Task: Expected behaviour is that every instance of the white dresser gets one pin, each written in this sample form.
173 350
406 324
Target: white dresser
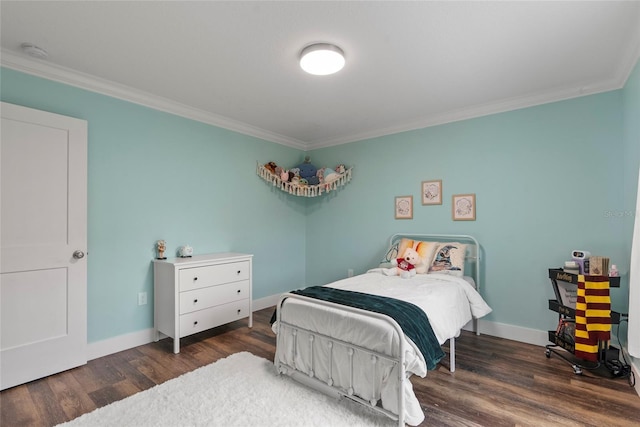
198 293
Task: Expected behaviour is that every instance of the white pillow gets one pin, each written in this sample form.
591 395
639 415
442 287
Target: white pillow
449 259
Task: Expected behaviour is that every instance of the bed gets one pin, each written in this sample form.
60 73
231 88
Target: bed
367 356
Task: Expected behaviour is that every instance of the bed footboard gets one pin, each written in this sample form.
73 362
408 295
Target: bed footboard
341 368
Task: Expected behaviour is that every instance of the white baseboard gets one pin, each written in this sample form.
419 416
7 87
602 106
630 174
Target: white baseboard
120 343
266 302
124 342
134 339
511 332
500 330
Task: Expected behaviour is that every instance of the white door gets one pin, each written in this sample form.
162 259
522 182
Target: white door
43 222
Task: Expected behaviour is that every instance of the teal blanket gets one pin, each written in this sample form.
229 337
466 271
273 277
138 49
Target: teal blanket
411 318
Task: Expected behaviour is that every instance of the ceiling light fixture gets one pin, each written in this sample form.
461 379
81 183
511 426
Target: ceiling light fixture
34 51
322 59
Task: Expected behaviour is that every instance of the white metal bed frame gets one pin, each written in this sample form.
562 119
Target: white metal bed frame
472 257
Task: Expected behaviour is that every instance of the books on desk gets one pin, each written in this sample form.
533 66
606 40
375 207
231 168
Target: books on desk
599 266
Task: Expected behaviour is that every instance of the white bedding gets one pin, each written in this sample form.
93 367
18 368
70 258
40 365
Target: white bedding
449 302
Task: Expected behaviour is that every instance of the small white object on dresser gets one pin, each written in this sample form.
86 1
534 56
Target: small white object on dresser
199 293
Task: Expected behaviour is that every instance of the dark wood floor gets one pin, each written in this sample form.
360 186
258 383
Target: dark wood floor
497 383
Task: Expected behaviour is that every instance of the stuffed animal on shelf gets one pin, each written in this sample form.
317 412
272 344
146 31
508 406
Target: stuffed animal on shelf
330 175
308 171
327 176
271 167
286 176
405 266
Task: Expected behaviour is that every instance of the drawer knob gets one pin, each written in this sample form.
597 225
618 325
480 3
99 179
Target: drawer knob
238 271
239 311
195 301
195 323
195 278
239 291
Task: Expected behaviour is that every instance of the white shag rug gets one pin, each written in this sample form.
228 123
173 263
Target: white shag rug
240 390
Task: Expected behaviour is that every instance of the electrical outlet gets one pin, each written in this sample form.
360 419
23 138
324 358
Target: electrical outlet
142 298
350 272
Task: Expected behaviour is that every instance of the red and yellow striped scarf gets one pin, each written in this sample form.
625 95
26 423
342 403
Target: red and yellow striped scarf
593 316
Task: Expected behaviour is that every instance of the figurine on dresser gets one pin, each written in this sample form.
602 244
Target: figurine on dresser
161 246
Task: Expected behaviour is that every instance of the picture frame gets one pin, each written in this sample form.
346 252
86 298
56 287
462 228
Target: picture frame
463 207
432 192
404 207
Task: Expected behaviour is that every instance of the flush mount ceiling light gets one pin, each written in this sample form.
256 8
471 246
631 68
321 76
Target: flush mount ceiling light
34 51
321 59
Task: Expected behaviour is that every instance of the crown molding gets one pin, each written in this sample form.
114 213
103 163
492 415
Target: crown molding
480 110
628 62
71 77
57 73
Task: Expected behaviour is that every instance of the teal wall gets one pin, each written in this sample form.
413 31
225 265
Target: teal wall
547 181
155 176
544 177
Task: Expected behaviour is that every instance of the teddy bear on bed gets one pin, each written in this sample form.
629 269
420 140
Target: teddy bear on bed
405 266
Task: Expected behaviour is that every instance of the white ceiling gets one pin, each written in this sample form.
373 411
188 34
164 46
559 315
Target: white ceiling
409 64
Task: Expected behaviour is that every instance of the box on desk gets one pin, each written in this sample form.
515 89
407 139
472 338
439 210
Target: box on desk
598 266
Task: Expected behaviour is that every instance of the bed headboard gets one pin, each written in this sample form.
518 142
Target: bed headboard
472 256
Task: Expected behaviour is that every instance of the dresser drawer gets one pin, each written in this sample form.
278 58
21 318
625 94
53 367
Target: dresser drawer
200 277
202 298
201 320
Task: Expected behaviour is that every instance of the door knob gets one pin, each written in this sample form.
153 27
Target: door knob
78 254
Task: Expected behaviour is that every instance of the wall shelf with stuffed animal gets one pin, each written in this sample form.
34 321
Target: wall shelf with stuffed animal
305 179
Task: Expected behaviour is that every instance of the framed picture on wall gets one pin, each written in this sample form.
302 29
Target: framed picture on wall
432 192
404 207
463 207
